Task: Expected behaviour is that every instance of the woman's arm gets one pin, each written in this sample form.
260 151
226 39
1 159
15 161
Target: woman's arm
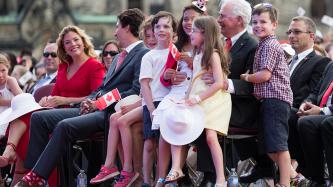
55 101
13 86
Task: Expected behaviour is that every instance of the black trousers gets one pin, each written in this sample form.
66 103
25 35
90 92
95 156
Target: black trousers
65 126
312 142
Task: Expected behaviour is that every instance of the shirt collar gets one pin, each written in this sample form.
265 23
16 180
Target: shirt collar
303 54
52 75
236 37
130 47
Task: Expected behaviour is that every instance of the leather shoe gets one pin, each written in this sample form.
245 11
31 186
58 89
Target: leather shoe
23 183
255 174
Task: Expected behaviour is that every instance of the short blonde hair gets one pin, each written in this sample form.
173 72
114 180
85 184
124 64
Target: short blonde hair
88 45
4 60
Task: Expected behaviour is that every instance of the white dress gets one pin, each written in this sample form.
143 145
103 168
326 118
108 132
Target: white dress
177 92
5 93
217 108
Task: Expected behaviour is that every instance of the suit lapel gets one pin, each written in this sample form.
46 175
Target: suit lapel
239 43
301 63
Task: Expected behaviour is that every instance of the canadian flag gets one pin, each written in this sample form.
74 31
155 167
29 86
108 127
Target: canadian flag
107 99
173 57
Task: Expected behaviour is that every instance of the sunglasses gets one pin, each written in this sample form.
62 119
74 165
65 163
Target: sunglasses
111 53
47 54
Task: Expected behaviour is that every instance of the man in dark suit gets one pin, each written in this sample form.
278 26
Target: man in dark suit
51 63
315 127
233 19
67 125
306 69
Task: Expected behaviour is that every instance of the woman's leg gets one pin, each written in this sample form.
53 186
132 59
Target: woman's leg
113 139
16 130
216 151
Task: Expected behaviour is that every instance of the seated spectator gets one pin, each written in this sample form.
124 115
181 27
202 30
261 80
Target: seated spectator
329 50
110 50
50 62
79 74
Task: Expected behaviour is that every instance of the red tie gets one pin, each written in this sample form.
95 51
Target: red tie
228 44
121 58
326 95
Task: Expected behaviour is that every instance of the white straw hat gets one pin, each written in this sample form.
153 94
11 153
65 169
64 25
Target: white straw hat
20 105
288 49
182 124
131 99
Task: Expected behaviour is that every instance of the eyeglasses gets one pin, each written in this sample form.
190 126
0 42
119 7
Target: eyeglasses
265 5
111 53
47 54
296 32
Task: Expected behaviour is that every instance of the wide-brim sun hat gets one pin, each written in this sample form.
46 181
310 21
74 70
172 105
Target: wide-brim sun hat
131 99
288 49
182 124
20 105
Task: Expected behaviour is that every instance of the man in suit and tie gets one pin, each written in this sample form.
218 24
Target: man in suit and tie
68 125
306 69
233 19
315 127
51 63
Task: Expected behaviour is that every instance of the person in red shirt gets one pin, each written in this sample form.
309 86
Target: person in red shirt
79 74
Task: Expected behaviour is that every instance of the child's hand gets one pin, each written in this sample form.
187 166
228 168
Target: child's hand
184 56
245 77
126 108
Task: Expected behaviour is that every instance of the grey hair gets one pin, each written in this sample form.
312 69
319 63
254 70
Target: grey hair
240 8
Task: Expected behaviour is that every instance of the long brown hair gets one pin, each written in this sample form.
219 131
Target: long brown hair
88 45
212 42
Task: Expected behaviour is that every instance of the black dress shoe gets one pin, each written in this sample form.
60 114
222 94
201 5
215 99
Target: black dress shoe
255 174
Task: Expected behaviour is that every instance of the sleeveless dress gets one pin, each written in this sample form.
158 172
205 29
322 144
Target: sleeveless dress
217 108
5 93
177 92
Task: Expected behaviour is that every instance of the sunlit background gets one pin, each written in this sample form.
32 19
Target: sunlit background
31 23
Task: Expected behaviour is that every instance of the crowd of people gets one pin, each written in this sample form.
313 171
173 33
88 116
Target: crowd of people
193 80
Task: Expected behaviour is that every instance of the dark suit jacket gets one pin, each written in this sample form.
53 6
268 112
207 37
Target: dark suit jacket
245 106
126 78
306 76
317 94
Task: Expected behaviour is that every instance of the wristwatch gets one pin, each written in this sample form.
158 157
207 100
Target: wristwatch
322 111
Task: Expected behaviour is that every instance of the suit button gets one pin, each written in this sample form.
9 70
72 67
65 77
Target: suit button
188 78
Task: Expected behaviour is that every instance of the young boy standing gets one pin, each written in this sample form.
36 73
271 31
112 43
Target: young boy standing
272 87
164 26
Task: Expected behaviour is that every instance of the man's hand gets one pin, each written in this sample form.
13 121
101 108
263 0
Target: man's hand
87 106
307 109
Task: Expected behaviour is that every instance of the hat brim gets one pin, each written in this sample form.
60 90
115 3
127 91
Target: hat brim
9 114
131 99
193 132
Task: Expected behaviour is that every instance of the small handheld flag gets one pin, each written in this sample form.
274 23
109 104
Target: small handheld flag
107 99
173 57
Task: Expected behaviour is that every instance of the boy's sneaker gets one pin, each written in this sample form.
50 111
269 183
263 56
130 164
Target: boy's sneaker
126 179
104 175
298 181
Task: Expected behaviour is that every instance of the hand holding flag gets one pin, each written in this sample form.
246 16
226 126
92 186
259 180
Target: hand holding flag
107 99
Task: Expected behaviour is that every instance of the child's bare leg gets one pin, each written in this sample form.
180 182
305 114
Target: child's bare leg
176 154
284 164
148 155
216 151
113 139
163 157
125 124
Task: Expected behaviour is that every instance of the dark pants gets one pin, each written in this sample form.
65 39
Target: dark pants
295 148
326 130
311 142
64 126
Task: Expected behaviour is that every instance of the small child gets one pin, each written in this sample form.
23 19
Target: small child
8 85
216 103
147 34
272 87
164 26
